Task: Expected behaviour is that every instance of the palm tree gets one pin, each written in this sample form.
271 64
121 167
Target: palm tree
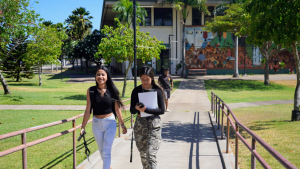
182 5
124 10
78 25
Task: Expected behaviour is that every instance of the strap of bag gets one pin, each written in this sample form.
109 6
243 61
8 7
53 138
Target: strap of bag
92 96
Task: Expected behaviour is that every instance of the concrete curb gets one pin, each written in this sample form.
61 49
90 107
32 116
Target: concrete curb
95 157
228 159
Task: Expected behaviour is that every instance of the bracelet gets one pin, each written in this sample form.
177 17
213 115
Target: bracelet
123 126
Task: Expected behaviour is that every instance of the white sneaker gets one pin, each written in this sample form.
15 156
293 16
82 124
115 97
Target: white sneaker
167 110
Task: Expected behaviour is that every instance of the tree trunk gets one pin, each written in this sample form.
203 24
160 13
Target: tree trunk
81 68
4 84
86 66
129 74
40 76
125 78
183 49
297 63
267 71
236 61
18 76
73 65
77 65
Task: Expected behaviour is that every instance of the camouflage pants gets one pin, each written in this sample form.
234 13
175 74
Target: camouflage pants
147 132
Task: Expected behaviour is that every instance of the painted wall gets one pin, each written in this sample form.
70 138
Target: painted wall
209 51
160 32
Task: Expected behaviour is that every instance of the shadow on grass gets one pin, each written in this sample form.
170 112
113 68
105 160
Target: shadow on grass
67 154
56 76
239 85
24 84
256 126
14 98
73 97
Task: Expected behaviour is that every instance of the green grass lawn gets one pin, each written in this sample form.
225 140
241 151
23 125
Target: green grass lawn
54 91
271 123
236 91
55 153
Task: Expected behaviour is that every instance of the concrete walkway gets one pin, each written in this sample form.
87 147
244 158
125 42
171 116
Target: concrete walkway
74 107
188 138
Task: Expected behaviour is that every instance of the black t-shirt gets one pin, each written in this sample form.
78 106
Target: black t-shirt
165 81
135 99
103 105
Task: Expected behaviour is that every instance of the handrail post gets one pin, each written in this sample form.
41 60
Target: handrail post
74 144
222 123
215 114
236 145
211 98
119 128
219 114
216 110
24 151
253 159
131 121
213 102
228 132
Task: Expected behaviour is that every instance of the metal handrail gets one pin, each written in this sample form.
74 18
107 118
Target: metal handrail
24 144
217 105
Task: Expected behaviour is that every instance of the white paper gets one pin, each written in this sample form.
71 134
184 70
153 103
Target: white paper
149 99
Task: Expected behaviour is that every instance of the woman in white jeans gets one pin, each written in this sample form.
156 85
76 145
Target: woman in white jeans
105 102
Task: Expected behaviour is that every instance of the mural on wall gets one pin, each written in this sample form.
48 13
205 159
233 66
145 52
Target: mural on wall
208 50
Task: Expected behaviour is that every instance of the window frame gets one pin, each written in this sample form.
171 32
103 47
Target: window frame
148 16
163 17
194 10
211 10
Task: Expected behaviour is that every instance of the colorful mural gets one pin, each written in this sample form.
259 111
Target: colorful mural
207 50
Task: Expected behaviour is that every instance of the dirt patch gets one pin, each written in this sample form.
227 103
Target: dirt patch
289 83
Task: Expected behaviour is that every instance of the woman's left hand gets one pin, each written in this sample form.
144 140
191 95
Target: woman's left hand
140 109
124 130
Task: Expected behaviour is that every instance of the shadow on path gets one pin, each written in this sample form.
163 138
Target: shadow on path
67 154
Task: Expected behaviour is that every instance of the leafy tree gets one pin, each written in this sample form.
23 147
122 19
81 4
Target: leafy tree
182 5
118 44
279 20
15 66
68 49
79 25
16 21
48 23
45 47
230 20
89 47
124 10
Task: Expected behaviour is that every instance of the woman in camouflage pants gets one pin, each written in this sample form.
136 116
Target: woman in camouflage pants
147 130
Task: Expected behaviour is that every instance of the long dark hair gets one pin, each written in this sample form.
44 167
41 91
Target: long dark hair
147 70
110 86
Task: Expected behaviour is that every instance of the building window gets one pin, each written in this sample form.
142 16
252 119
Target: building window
207 17
147 18
163 17
196 16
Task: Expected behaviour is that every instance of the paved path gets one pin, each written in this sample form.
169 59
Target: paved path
261 103
91 79
74 107
188 139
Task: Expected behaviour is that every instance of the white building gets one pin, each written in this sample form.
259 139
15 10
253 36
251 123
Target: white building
163 21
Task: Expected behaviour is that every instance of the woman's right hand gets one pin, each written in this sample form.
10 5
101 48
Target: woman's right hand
81 131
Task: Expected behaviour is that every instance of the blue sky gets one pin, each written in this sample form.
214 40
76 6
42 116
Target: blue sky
59 10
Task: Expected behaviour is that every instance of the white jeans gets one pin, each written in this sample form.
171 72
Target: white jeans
104 131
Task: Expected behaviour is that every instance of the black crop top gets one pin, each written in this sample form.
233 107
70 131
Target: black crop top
102 105
135 99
